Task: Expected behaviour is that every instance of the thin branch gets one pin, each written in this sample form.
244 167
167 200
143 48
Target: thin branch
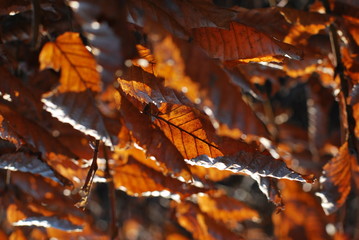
339 70
93 168
89 179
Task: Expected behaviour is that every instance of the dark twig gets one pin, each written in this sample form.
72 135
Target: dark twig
85 190
112 197
345 106
93 169
339 70
35 24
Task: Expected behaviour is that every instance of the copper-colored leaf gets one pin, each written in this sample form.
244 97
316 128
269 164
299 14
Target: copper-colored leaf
13 90
336 180
209 86
302 217
226 210
193 135
153 140
201 225
283 23
242 43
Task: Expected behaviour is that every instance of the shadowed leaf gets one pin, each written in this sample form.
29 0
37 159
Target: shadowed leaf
209 86
80 111
242 43
26 163
34 134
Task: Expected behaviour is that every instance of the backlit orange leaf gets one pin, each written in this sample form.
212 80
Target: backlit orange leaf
79 80
187 130
77 65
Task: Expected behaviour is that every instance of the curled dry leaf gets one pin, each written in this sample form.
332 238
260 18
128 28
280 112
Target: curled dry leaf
336 180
